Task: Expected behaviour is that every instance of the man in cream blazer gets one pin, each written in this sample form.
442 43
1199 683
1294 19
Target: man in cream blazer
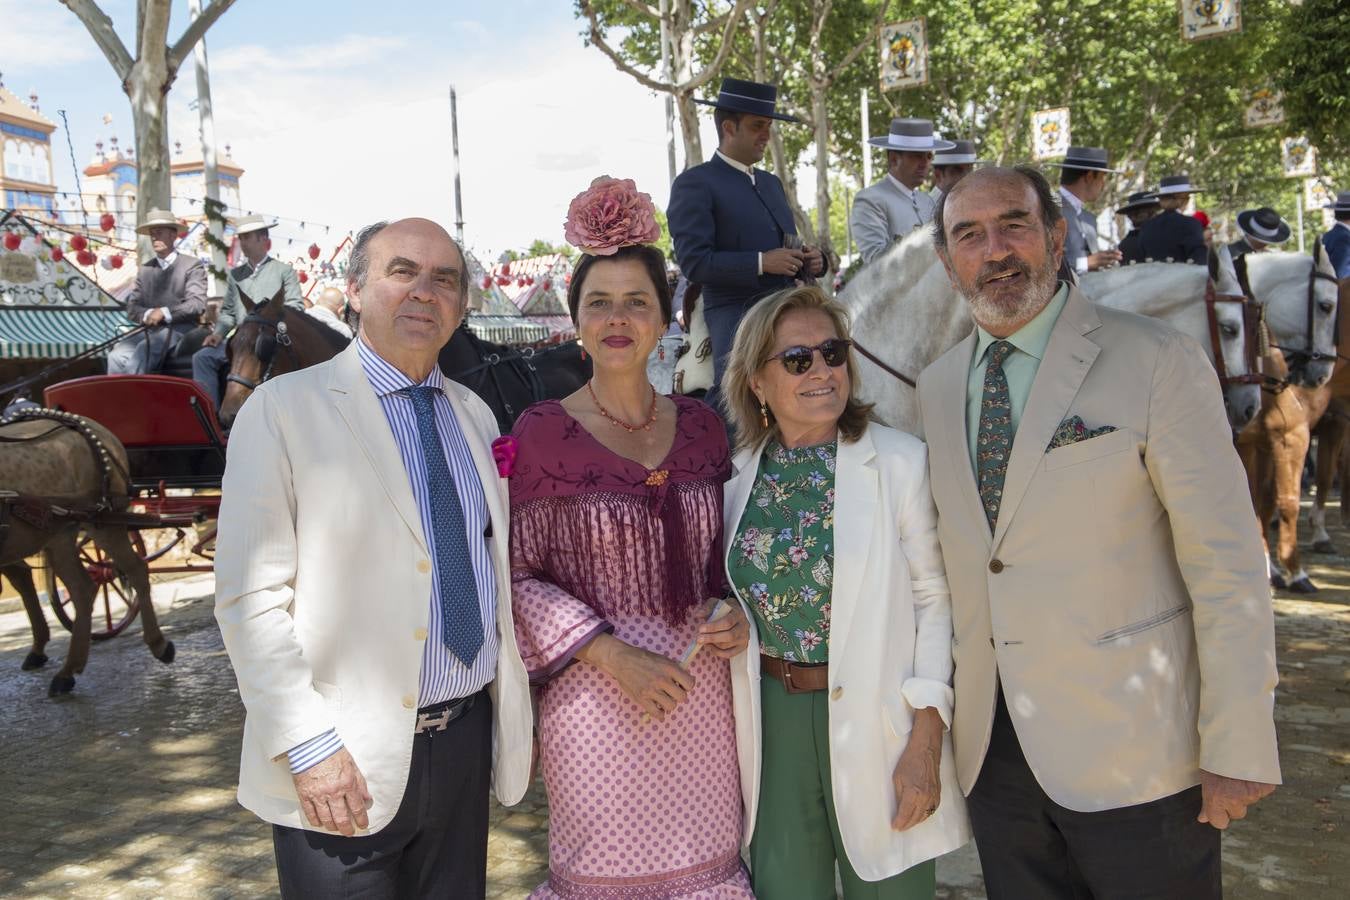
363 593
1114 646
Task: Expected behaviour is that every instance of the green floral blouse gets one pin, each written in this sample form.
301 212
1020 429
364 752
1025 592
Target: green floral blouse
783 562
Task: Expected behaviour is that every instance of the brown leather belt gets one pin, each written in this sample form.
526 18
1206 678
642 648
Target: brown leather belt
796 678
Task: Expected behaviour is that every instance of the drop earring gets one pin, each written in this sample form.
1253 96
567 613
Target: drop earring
763 414
583 353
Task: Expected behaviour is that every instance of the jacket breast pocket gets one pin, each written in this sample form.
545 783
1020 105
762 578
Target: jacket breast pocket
1093 448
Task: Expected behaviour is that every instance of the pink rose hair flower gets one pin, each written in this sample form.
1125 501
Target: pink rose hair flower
610 214
504 450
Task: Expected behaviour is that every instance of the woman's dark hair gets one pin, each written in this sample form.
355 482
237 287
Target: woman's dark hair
652 259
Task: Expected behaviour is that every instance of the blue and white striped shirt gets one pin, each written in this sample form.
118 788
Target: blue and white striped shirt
444 677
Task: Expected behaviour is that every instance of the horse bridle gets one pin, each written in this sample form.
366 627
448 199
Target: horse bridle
1256 343
1311 354
271 334
525 356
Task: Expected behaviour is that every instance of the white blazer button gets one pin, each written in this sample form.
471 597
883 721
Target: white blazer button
408 701
423 566
420 634
836 693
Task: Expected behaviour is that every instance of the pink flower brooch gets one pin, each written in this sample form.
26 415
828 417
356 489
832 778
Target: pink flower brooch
504 450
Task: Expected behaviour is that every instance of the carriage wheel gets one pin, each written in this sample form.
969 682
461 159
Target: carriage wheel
115 605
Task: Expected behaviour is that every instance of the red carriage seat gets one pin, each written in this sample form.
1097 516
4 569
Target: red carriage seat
143 411
168 425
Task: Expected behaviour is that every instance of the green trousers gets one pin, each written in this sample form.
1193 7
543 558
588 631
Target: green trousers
796 841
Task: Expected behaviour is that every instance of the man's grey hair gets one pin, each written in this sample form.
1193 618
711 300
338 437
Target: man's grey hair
358 264
1045 195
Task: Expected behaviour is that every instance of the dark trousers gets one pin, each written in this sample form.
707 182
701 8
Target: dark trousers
722 321
1031 846
436 844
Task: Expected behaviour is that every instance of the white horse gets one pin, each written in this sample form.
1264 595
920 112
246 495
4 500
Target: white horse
1300 308
907 313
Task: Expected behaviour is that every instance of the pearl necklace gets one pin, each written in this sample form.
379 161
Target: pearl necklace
645 426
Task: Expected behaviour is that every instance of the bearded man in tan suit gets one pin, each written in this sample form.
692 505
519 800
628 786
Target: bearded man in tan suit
1114 640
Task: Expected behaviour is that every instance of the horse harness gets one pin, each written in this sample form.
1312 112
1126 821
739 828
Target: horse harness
43 512
1311 354
271 334
521 362
1257 343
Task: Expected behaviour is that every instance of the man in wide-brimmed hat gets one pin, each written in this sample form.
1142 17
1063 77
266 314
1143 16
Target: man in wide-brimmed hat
1337 240
950 166
1173 236
1261 228
1139 208
259 277
731 223
889 210
1082 180
169 298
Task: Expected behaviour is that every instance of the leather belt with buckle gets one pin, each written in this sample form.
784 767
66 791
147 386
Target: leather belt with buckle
439 716
796 678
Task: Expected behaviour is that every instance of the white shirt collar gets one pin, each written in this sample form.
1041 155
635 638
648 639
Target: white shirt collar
908 192
737 164
1071 198
167 261
260 264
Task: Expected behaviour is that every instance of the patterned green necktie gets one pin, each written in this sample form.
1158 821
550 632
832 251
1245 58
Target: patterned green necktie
993 443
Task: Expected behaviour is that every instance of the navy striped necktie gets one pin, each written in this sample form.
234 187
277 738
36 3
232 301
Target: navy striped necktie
461 620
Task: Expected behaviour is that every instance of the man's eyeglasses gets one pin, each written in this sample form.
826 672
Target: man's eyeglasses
797 360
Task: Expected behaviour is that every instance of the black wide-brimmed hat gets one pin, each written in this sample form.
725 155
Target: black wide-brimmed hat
749 97
1342 203
1176 184
1264 225
1091 159
1138 200
911 136
961 154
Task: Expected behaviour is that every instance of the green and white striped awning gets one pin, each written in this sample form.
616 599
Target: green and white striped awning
56 333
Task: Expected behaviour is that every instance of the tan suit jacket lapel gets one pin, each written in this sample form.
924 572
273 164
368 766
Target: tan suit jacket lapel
481 450
1068 357
948 433
360 408
856 488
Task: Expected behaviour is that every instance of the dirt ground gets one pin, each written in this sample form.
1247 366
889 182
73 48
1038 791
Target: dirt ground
127 789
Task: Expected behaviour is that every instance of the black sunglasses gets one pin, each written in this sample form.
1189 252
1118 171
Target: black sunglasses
797 360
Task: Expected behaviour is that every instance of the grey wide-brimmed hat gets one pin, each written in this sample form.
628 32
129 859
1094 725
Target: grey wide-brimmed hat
911 136
1091 159
157 218
1138 200
738 95
250 224
1264 225
961 154
1342 203
1176 184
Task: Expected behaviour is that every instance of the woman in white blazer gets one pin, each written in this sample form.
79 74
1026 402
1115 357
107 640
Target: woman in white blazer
843 701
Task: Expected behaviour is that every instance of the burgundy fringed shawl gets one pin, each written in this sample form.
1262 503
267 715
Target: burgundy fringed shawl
620 537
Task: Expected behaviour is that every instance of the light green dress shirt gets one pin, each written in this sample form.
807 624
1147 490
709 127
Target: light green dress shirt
1019 368
260 283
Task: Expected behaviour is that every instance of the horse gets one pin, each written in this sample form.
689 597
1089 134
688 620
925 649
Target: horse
273 339
1274 446
61 474
905 308
1332 432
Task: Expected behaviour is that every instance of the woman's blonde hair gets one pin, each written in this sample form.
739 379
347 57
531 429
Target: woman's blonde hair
751 349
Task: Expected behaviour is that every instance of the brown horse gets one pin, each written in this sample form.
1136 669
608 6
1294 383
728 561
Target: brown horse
1332 433
1275 445
274 339
61 474
21 578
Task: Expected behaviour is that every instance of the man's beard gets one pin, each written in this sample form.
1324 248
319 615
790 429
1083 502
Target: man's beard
993 311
